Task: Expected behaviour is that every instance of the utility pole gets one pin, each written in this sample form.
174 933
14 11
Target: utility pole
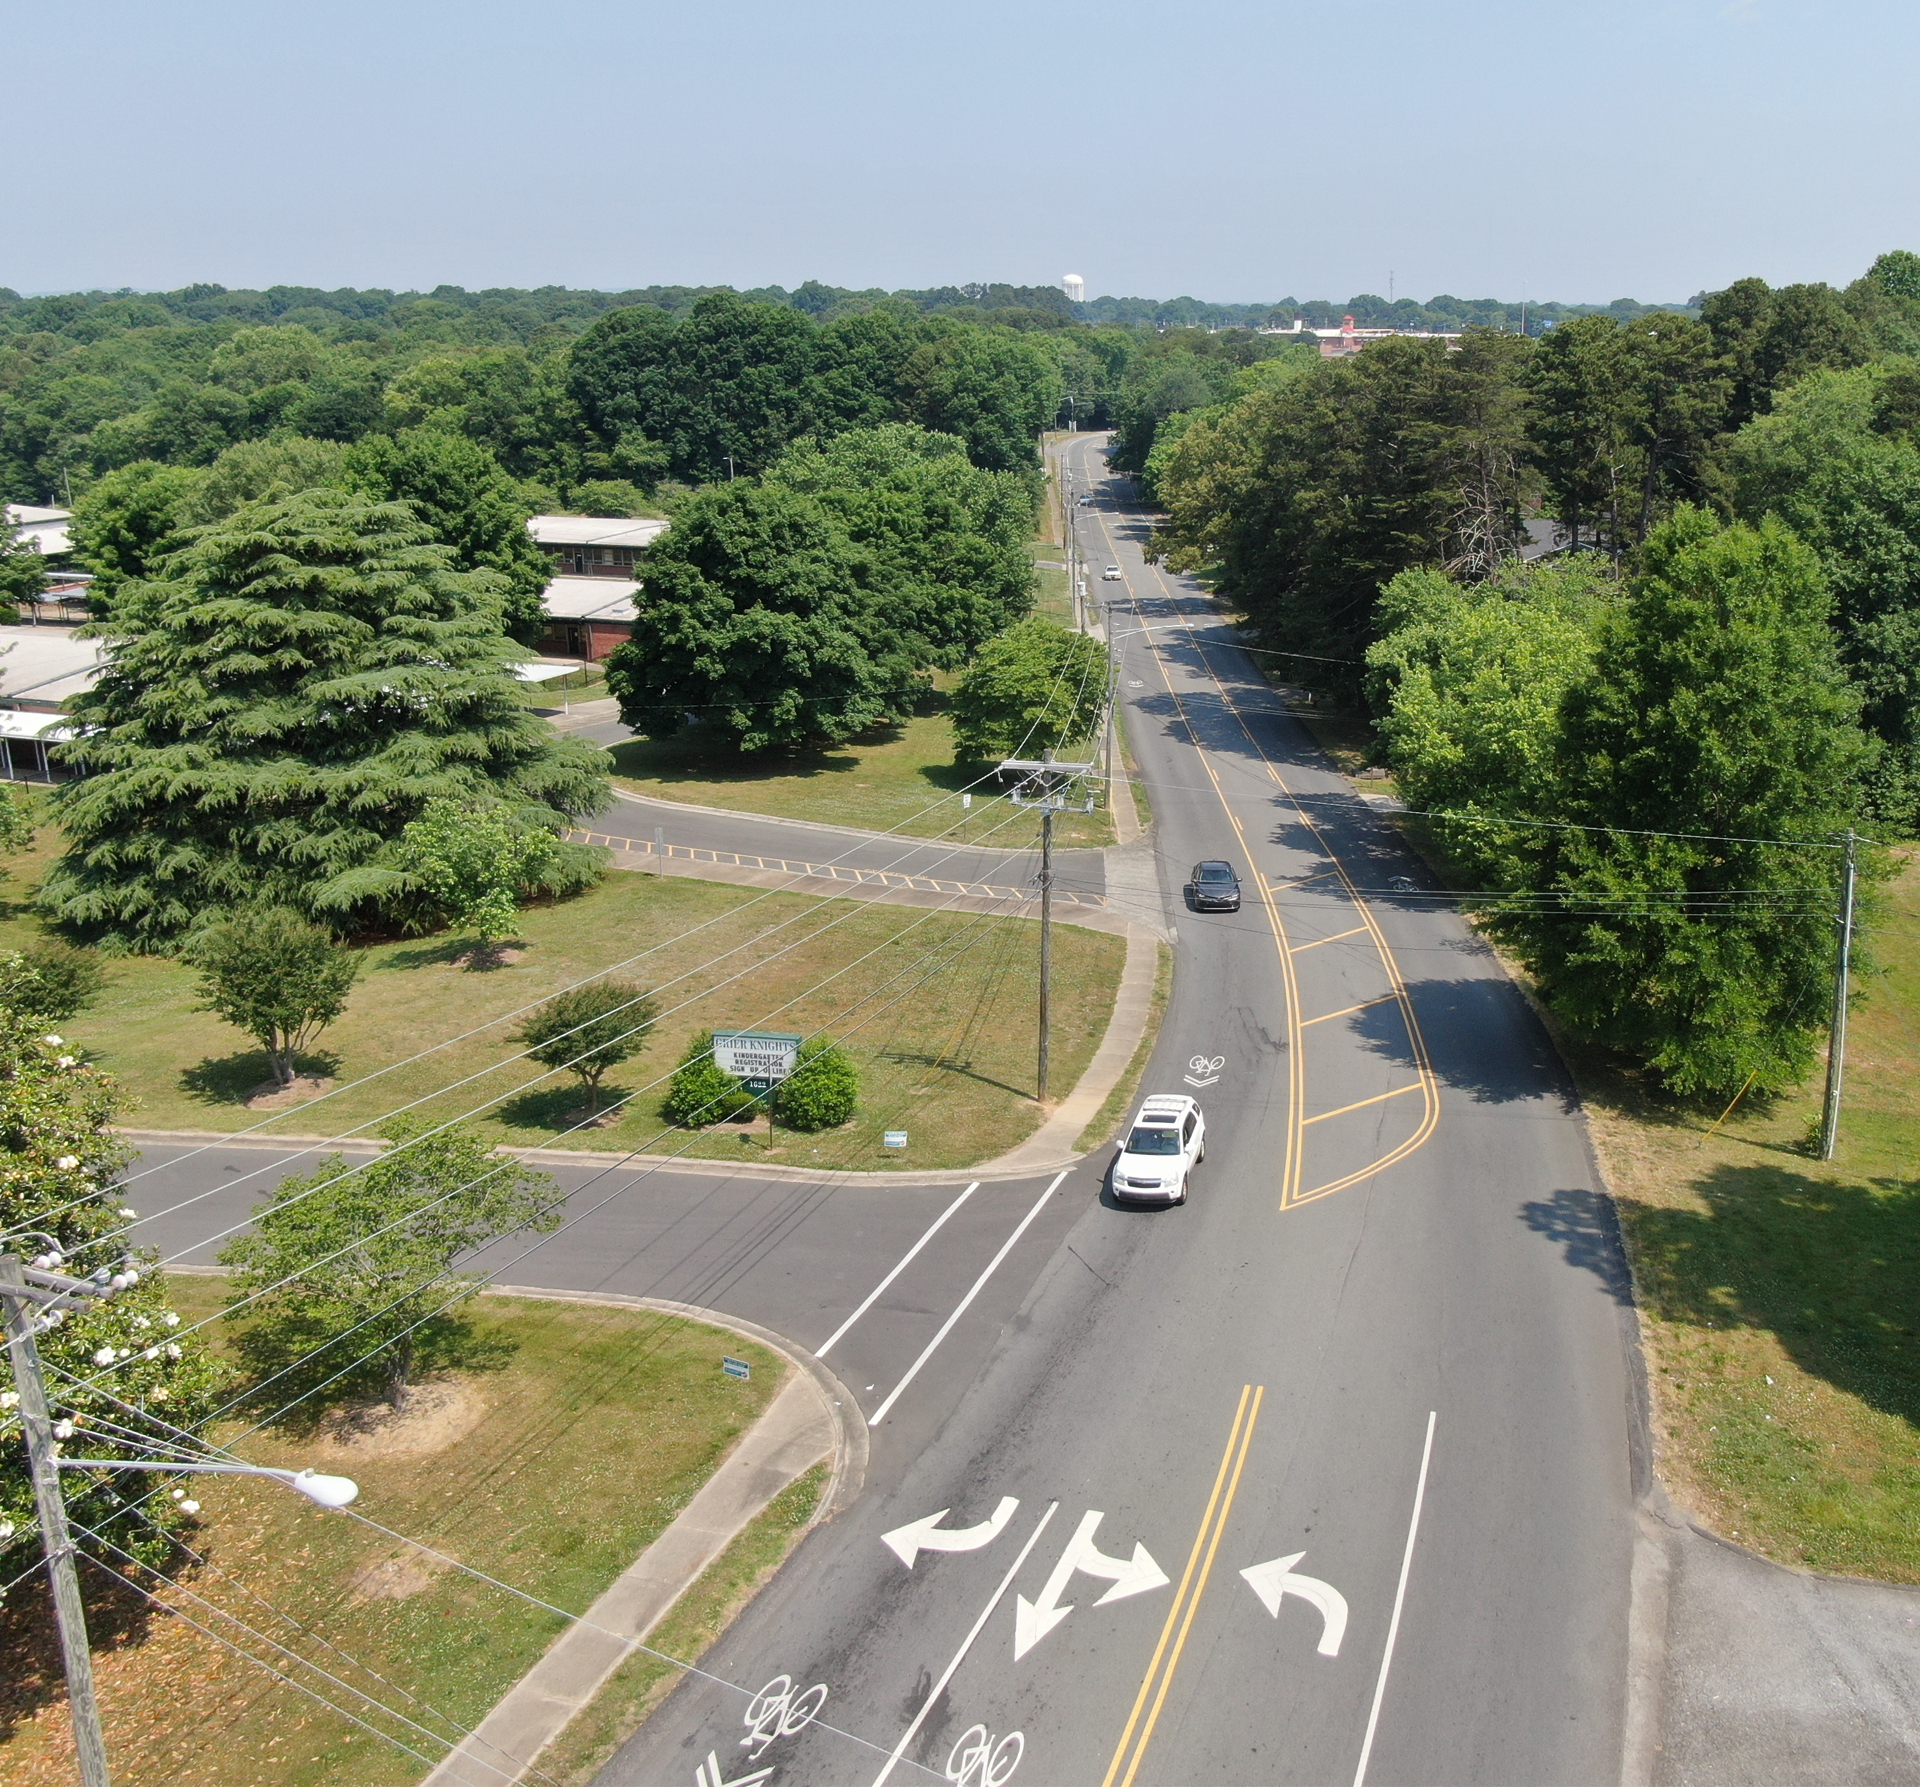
1046 950
1049 786
20 1299
1837 1033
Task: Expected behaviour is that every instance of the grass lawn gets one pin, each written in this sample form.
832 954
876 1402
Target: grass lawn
900 778
1778 1291
595 1426
702 1614
937 1009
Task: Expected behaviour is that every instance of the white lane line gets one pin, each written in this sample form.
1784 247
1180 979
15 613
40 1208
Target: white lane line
1399 1596
979 1284
966 1644
905 1262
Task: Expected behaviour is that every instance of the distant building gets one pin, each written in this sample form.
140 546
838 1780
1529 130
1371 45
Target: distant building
1075 287
39 668
45 528
594 545
588 616
1334 344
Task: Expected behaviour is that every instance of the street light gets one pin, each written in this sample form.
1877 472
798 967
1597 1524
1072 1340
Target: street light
35 1296
329 1492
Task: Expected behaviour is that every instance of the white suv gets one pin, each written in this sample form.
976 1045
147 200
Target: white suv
1167 1140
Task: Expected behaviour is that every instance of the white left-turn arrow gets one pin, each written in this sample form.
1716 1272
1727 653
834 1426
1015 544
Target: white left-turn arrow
1273 1581
1033 1620
917 1536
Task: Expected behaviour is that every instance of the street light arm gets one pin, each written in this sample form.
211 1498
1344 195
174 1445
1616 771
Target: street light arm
329 1492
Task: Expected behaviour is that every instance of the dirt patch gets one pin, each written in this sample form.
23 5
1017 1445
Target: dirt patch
436 1415
481 959
270 1095
580 1119
398 1577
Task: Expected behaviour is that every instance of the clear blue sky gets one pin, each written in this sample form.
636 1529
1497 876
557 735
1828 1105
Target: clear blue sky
1237 150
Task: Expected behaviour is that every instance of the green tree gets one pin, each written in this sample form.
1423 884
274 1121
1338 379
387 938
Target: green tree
1768 339
760 627
308 677
468 502
274 976
823 1090
1897 273
1468 680
23 573
699 1093
994 388
63 1159
1308 495
1838 460
251 470
590 1029
729 378
126 524
1716 714
353 1267
49 980
1037 687
945 542
470 866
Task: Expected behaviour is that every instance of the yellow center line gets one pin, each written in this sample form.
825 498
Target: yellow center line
1335 938
1199 1566
1347 1011
1360 1104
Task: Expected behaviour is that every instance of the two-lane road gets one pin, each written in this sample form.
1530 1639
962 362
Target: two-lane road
1323 1476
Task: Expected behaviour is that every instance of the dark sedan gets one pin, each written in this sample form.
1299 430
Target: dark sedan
1214 887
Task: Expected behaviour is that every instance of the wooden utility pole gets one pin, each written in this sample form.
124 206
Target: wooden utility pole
51 1506
1837 1032
1046 948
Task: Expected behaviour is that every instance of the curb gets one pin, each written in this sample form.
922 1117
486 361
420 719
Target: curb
569 1675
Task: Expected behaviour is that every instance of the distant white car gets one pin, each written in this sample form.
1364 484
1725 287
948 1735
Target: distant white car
1111 574
1168 1139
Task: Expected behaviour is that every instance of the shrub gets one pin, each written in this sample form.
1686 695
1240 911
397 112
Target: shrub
700 1092
50 979
824 1088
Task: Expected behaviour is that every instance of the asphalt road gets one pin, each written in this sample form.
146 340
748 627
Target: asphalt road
1380 1352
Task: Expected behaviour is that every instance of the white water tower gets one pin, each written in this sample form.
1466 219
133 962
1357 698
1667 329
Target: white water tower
1075 287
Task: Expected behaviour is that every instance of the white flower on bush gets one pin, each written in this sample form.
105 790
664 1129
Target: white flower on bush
140 1321
7 1529
9 1399
152 1352
64 1061
63 1430
53 1042
170 1320
189 1507
124 1211
173 1349
104 1356
67 1162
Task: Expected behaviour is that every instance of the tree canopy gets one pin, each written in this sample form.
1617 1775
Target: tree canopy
306 678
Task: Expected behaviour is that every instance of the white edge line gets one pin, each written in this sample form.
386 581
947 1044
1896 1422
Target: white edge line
906 1260
960 1309
959 1656
1399 1597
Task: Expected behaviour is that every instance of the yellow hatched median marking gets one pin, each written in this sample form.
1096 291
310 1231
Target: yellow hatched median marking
1298 948
1347 1011
1206 1542
1360 1104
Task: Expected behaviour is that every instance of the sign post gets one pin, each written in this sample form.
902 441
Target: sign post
760 1060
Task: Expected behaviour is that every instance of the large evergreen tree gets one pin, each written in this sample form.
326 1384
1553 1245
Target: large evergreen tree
1717 719
307 678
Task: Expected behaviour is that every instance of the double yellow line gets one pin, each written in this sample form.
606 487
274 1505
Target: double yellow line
1141 1720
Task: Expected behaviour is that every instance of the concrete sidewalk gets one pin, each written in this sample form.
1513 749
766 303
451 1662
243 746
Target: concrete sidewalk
811 1418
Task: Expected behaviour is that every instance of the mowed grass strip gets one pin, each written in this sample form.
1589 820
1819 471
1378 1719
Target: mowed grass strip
685 1635
1778 1291
898 778
938 1009
586 1429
